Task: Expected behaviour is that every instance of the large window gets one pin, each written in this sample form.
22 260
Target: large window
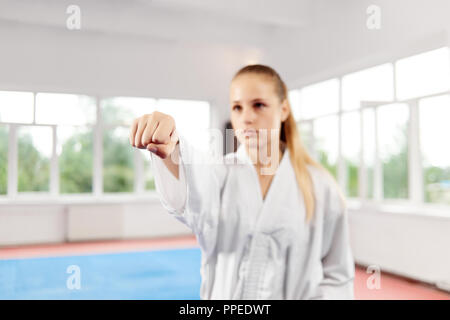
3 159
434 132
307 136
373 84
326 142
369 153
319 99
186 114
382 134
75 151
34 155
118 161
351 141
57 142
423 74
392 130
74 116
16 106
118 157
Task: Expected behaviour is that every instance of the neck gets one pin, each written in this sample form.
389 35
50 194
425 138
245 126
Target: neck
266 159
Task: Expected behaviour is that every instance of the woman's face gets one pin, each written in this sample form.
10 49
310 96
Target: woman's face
256 110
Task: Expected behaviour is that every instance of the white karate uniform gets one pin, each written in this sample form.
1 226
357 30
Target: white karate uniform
253 248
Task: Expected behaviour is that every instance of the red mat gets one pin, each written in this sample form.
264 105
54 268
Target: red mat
391 286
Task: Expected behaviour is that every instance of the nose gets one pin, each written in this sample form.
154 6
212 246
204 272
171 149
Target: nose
248 116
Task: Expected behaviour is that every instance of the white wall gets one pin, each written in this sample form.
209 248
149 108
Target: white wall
35 222
413 245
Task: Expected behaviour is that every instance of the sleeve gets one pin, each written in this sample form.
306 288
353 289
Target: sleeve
171 191
337 258
195 198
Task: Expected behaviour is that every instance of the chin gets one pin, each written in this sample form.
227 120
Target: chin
251 143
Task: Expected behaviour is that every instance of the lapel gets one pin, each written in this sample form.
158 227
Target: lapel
267 205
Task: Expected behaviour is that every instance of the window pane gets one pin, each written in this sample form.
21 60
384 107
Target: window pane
16 106
294 100
148 172
123 110
186 113
373 84
66 109
326 142
351 127
369 149
423 74
393 149
35 149
306 135
3 159
118 161
75 159
434 118
319 99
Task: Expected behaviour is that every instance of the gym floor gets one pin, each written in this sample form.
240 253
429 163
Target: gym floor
143 269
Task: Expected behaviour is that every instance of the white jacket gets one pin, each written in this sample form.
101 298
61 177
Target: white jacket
255 249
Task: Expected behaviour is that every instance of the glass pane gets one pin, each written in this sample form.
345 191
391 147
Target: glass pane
373 84
118 161
326 142
75 159
423 74
186 113
306 135
294 100
123 110
434 119
369 148
3 159
66 109
319 99
16 106
35 149
393 149
148 172
351 128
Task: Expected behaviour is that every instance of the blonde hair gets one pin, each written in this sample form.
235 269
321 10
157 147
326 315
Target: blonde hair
289 134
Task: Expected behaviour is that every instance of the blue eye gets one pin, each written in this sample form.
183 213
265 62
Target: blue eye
259 104
237 106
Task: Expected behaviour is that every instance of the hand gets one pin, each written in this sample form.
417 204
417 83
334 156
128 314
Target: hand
155 132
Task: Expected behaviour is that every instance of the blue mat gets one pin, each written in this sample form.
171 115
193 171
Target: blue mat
158 274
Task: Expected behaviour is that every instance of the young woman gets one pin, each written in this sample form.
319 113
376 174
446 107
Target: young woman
270 221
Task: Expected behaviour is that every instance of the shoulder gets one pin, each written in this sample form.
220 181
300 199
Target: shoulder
328 193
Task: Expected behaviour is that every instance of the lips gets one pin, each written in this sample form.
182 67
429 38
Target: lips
249 132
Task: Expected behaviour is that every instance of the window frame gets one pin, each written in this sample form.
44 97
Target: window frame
415 165
97 195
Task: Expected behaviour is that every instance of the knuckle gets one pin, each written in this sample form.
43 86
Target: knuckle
150 116
141 121
156 114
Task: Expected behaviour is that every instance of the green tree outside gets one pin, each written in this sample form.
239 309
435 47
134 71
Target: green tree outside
3 160
76 164
33 168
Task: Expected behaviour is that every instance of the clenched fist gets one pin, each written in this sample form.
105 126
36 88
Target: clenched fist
154 132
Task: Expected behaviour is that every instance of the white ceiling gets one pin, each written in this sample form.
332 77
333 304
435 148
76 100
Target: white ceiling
221 21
